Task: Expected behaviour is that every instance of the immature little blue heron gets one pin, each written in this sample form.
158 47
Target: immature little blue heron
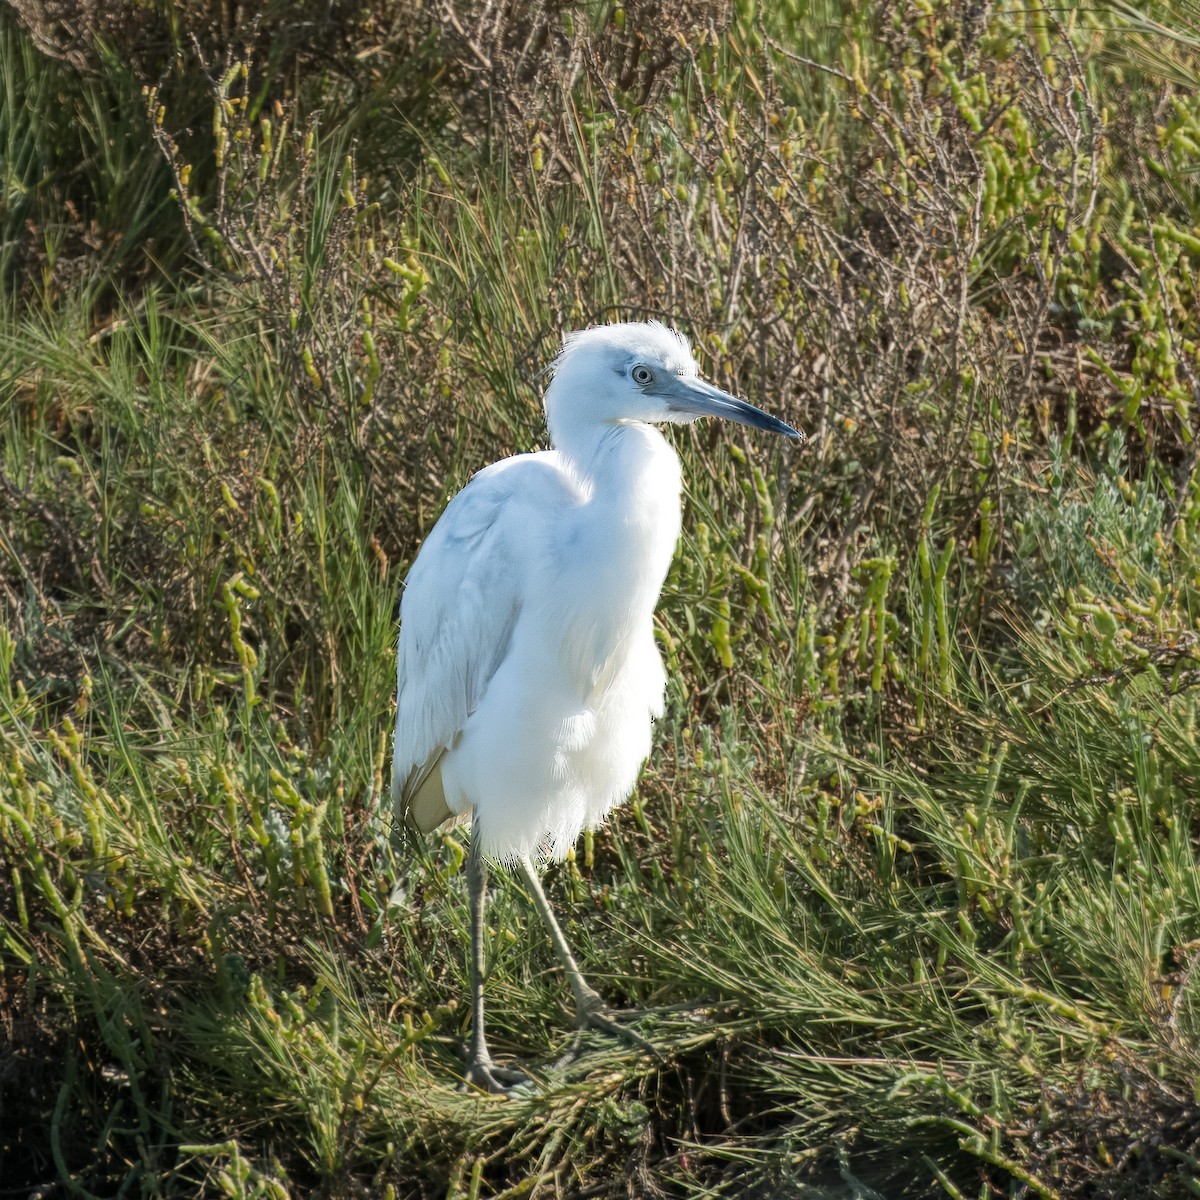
527 670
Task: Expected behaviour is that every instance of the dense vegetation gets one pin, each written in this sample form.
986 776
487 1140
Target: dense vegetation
909 891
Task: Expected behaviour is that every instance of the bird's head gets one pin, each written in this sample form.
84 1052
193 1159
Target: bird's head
637 372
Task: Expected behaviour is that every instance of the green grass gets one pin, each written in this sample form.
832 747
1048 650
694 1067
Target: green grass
909 893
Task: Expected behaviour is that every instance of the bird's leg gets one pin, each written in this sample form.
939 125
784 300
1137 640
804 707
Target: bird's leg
590 1010
481 1070
587 999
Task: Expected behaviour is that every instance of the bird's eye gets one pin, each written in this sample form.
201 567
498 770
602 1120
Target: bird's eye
642 375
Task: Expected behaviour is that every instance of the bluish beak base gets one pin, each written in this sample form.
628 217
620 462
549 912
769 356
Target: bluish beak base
696 398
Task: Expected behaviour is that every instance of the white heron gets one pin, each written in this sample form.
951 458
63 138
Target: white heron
527 670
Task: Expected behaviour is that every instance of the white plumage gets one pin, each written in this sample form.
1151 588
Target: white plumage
528 674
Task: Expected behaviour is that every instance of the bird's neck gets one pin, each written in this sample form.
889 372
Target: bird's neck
630 464
632 486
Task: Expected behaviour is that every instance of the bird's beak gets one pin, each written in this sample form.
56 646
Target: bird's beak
694 398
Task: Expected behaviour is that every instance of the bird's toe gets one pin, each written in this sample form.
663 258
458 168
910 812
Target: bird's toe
588 1004
599 1017
486 1076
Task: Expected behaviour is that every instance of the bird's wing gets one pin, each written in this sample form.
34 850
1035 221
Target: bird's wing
461 602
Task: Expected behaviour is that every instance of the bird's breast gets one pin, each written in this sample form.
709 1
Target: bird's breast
602 615
609 564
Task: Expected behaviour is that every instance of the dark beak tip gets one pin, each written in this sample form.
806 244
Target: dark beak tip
789 431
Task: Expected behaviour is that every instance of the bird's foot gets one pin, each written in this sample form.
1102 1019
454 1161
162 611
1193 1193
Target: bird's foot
592 1013
484 1074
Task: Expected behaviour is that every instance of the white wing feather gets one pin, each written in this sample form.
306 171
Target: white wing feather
461 602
